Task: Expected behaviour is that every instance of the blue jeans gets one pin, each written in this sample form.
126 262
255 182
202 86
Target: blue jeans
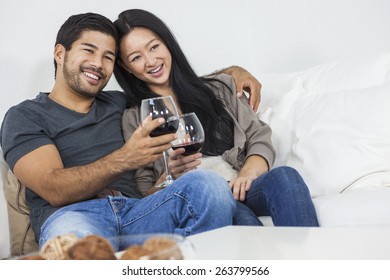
280 193
198 201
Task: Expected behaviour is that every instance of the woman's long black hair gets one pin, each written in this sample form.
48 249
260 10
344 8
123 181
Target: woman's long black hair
194 94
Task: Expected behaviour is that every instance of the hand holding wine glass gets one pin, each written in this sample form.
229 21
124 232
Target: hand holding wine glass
162 107
190 134
185 155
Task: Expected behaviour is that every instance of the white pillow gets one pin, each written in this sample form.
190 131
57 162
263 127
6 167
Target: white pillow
219 166
280 118
274 87
341 137
280 91
351 73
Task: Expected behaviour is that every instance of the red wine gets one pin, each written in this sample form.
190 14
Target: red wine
168 127
190 148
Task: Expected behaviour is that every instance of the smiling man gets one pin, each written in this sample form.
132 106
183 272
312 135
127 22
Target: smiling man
95 61
67 148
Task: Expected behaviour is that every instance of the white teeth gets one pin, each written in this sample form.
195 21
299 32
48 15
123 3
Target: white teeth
91 75
156 70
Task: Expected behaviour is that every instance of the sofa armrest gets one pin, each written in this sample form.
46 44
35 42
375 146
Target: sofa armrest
21 236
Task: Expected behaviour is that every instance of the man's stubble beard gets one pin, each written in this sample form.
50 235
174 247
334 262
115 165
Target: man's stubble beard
74 81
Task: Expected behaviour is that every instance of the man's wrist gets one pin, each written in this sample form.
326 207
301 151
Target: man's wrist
228 70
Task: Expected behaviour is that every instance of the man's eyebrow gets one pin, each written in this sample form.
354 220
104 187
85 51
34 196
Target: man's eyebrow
95 47
89 45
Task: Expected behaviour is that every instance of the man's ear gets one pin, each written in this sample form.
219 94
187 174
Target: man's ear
59 53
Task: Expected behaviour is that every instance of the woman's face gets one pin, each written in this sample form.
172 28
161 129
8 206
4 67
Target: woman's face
145 55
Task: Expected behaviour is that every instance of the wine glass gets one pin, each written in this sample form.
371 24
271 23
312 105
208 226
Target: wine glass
162 107
190 134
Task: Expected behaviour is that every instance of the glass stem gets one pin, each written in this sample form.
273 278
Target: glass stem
168 178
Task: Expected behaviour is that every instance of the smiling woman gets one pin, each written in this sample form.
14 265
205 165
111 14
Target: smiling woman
153 64
148 59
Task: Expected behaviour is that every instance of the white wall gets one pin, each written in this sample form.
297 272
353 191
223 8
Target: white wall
261 35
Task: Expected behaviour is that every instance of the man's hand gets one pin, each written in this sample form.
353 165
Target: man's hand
142 149
245 81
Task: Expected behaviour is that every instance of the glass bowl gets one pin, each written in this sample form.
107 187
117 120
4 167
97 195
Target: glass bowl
161 246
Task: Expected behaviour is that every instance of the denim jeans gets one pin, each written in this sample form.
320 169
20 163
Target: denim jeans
198 201
280 193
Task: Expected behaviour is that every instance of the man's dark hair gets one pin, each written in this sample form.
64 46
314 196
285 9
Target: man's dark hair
75 25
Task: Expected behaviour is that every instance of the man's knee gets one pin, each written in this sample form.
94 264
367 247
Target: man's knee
210 186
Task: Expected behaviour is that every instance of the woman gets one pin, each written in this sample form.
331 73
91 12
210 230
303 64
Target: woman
152 64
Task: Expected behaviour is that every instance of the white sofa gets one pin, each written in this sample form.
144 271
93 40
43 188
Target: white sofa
332 123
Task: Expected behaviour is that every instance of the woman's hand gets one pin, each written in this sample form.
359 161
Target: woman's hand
241 185
254 166
179 164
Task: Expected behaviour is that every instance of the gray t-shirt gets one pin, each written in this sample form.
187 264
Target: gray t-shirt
79 138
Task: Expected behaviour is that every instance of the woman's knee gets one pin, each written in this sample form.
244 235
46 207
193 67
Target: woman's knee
290 180
208 185
287 174
282 171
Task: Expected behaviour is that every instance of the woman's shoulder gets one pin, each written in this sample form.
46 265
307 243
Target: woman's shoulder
132 110
131 115
130 121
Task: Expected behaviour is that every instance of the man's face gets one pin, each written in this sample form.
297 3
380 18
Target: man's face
88 65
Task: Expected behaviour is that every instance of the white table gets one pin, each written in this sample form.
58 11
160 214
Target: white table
288 243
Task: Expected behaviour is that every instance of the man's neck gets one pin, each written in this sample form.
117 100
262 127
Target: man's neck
71 100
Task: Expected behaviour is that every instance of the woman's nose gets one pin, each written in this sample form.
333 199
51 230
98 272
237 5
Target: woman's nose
150 60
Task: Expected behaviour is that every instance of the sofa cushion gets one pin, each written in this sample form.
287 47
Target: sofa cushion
347 74
292 104
21 234
280 118
341 137
4 225
281 90
354 208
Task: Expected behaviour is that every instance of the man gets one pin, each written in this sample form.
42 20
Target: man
67 148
